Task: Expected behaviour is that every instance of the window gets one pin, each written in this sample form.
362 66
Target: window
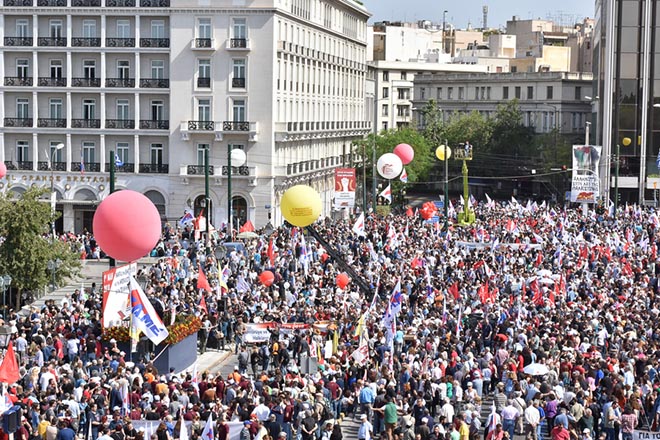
157 29
239 28
22 108
422 93
89 109
578 93
530 92
156 154
403 93
22 29
88 152
386 92
204 109
22 68
204 28
201 148
54 152
239 73
450 93
385 110
386 75
55 108
123 109
122 152
157 110
461 93
488 92
204 68
56 69
123 69
439 94
157 69
55 28
517 92
89 28
123 29
403 76
402 110
238 110
549 92
385 126
22 151
89 69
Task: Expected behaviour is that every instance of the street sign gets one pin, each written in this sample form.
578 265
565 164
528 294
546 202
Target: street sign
439 204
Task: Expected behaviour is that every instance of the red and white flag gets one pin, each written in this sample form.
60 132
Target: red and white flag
387 194
404 176
144 318
358 227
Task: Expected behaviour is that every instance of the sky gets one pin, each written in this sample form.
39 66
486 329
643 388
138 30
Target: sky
464 11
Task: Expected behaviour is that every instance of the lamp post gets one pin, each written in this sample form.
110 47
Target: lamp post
207 199
5 336
625 141
5 283
53 196
443 152
236 157
53 265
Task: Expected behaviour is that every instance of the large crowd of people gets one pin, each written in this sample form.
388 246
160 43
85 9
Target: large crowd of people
534 321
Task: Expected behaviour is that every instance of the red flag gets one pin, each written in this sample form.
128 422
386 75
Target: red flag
202 282
538 295
9 367
271 252
484 296
553 293
247 227
409 212
454 290
202 305
539 258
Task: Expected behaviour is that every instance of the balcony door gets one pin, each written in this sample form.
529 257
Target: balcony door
55 108
89 109
238 110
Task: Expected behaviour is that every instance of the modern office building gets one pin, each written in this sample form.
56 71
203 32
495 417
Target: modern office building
159 82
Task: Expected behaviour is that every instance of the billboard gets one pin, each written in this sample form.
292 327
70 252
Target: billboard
116 291
585 182
345 184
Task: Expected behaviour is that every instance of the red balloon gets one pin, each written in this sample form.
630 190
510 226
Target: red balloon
342 280
267 278
3 170
428 210
409 212
126 225
405 153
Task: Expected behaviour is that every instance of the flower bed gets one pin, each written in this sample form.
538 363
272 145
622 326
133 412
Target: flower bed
184 326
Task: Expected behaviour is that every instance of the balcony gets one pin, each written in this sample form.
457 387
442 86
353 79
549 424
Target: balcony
203 43
51 122
18 122
18 3
125 168
45 81
86 82
155 83
51 41
204 82
238 83
155 3
85 3
120 42
201 125
236 171
58 3
154 42
18 41
154 168
24 165
126 124
198 170
84 41
120 82
148 124
238 44
24 81
120 3
235 126
57 166
94 167
85 123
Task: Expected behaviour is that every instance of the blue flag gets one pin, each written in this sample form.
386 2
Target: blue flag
118 161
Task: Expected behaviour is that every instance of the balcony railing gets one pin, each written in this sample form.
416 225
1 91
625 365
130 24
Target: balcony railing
120 82
120 123
19 165
124 168
85 3
57 166
235 126
238 43
120 3
85 42
203 43
18 81
154 168
239 83
85 123
51 41
120 42
51 122
154 42
155 83
18 41
155 3
203 82
86 82
18 3
201 125
45 81
59 3
148 124
236 171
18 122
94 167
197 170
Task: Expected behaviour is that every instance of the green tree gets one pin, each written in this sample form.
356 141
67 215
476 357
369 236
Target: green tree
27 246
510 136
458 128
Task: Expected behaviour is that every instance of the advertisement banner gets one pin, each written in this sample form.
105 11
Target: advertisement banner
585 182
645 435
257 333
116 295
345 184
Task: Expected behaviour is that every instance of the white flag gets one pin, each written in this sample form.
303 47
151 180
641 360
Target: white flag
208 433
358 227
183 434
143 316
387 194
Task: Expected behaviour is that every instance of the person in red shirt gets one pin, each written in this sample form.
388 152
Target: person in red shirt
560 433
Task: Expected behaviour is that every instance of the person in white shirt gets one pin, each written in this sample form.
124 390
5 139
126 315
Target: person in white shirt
366 428
532 418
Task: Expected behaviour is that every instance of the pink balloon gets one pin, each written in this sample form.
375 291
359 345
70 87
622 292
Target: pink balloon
3 170
126 225
405 153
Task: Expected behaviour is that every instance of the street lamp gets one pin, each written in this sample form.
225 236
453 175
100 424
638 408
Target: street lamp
443 153
5 283
53 265
53 196
5 335
237 158
625 141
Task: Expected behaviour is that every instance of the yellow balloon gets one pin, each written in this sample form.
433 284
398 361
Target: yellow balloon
626 141
440 152
301 205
